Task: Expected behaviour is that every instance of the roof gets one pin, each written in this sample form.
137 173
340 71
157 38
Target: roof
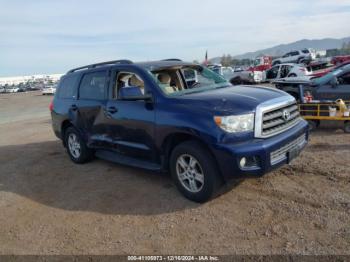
154 65
149 65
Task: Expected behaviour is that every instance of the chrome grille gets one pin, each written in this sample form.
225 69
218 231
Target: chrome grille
279 119
281 153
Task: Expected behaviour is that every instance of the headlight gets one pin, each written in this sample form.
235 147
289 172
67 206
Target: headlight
238 123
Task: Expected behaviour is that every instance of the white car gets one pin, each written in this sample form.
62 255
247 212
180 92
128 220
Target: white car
12 90
49 90
282 71
297 56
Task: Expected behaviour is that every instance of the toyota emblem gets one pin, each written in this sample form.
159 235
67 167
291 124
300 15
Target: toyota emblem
286 115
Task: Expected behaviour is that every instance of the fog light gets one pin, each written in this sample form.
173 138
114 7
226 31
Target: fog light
250 162
243 162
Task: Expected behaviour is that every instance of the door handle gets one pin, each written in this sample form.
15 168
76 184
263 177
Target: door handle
112 110
74 107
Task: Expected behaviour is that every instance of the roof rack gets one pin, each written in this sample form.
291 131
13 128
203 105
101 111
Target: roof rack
114 62
172 59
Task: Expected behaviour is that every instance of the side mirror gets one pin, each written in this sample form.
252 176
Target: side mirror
334 82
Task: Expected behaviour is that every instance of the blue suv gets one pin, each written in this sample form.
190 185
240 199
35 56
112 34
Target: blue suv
175 116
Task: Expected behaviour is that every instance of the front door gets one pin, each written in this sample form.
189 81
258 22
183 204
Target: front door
130 123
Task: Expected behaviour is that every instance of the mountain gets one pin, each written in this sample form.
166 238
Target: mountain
278 50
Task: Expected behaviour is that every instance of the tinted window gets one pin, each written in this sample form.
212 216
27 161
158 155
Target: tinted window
68 86
294 53
272 73
285 69
93 86
305 51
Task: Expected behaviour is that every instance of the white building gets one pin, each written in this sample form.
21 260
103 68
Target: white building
15 80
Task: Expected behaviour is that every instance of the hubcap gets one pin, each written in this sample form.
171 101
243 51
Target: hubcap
190 173
74 145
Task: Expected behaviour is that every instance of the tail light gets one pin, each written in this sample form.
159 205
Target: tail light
51 106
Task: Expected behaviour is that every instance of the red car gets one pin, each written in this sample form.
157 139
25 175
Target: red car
337 60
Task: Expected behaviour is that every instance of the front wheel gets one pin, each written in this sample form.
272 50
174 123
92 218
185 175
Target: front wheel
76 147
194 171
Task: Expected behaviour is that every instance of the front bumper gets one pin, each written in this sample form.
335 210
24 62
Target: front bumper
271 152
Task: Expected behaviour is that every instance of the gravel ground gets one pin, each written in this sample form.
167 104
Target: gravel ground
51 206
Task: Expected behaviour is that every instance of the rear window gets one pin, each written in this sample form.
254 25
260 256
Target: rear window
68 87
93 86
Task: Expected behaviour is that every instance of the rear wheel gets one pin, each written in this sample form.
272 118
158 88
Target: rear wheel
194 171
76 147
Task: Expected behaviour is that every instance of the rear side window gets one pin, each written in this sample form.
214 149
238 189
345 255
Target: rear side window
305 51
93 86
68 87
294 53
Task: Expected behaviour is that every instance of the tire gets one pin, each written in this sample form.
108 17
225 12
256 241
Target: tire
77 149
347 127
202 179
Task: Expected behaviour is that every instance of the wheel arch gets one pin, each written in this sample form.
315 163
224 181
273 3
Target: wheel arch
65 124
172 140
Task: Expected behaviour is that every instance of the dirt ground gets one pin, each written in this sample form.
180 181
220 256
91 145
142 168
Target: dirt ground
48 205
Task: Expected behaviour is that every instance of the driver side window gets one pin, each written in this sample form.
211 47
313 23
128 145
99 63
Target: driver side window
128 84
272 73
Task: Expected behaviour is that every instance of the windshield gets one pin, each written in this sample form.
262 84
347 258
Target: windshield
187 79
257 61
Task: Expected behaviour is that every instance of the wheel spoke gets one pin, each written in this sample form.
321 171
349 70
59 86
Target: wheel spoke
193 185
199 177
193 162
183 176
182 163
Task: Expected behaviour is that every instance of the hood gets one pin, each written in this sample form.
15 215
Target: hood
233 99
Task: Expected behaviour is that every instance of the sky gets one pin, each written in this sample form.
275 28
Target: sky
47 36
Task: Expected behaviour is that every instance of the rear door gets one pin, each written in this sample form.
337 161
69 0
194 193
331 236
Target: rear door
92 99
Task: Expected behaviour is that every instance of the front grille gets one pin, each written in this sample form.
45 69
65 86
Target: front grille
279 119
281 153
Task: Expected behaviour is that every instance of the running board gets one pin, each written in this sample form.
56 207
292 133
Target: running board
126 160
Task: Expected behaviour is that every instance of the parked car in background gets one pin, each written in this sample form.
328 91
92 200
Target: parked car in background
298 56
337 60
2 89
319 68
12 89
49 90
200 128
281 71
332 86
